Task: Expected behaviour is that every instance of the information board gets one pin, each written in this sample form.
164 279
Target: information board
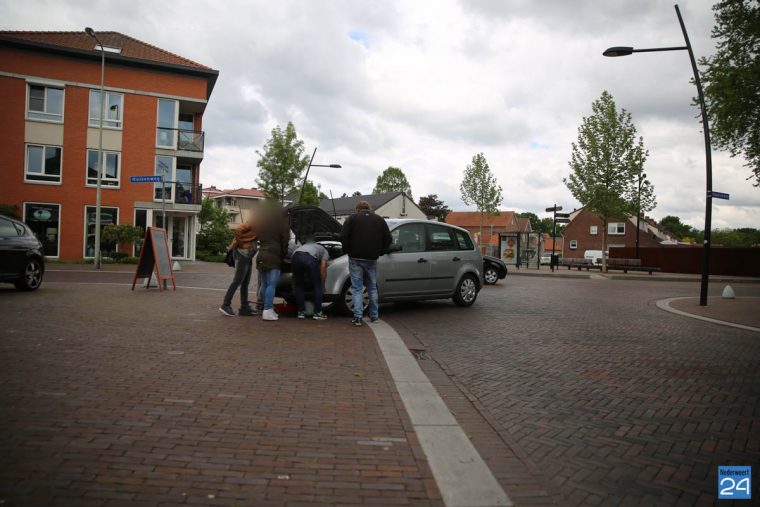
154 257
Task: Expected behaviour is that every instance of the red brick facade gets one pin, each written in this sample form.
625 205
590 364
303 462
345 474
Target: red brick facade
77 72
579 234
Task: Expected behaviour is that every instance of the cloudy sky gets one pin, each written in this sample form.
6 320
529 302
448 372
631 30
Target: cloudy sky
425 85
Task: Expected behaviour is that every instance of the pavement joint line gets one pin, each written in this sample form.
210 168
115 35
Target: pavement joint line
463 478
664 304
130 285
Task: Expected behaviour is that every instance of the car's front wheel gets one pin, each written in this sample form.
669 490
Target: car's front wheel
490 275
345 303
32 278
467 291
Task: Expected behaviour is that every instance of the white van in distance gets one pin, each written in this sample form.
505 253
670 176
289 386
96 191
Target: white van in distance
595 256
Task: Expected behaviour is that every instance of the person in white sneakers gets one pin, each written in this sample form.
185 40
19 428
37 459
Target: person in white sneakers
310 260
273 236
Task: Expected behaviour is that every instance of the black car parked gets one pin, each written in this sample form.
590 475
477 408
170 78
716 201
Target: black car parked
494 269
22 261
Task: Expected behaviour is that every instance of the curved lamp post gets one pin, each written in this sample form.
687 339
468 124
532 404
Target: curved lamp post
624 51
92 34
303 185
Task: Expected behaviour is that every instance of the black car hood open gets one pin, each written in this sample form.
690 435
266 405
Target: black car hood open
308 220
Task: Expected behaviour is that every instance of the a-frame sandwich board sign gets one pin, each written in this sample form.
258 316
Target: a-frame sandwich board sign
154 256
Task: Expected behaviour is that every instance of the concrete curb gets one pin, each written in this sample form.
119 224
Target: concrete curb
664 304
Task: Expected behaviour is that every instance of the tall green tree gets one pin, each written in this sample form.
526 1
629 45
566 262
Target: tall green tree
215 233
673 226
312 194
480 188
434 207
536 224
731 81
392 179
281 163
606 163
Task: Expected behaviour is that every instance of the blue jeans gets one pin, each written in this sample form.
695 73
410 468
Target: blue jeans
361 270
306 264
268 285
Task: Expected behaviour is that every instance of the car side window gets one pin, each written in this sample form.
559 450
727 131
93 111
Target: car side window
409 237
463 240
440 238
7 229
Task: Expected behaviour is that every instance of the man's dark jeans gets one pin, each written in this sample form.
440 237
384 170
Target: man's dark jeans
305 264
241 278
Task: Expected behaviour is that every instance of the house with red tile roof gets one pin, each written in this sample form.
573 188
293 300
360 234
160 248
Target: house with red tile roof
504 234
50 138
238 202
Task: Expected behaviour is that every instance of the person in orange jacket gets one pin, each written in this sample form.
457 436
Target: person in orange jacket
243 248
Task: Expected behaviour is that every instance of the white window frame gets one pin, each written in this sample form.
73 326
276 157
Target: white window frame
107 122
27 173
573 244
84 236
44 115
593 230
174 127
60 210
169 180
614 228
105 182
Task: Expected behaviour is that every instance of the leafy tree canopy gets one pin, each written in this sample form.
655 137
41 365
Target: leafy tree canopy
607 165
673 226
215 234
731 81
434 207
393 179
281 163
479 187
312 194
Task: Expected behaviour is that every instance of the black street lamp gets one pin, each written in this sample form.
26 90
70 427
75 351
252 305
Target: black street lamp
334 166
624 51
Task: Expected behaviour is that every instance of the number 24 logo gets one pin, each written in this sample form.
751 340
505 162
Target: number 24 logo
742 486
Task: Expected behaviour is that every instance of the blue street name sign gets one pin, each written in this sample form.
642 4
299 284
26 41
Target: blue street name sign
145 179
719 195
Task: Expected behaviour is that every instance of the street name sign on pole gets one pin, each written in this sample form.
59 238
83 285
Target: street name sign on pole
718 195
145 179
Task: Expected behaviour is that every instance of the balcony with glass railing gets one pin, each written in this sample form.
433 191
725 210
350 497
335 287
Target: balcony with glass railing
178 192
188 141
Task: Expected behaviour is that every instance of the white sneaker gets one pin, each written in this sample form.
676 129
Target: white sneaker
269 315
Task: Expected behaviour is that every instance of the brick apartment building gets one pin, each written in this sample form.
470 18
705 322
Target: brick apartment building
584 232
238 202
49 137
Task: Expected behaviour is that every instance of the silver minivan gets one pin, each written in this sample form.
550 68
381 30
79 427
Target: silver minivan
426 260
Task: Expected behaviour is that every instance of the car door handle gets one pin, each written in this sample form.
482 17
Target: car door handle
456 259
421 260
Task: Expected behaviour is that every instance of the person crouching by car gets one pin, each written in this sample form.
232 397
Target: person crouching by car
243 248
274 233
310 260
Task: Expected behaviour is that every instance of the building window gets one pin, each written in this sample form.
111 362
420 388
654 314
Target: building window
113 113
108 216
616 228
43 163
592 230
165 168
573 244
166 131
111 168
44 221
45 103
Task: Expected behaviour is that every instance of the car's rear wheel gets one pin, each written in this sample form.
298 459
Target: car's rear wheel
467 291
345 303
32 276
490 275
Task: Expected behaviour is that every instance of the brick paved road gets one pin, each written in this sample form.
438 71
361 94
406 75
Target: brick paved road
114 397
615 401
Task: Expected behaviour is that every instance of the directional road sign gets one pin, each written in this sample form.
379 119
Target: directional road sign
563 221
562 215
145 179
555 208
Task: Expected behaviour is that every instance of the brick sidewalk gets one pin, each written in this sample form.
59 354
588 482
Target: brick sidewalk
114 397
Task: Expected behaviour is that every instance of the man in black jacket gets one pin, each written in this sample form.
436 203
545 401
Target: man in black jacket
365 237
